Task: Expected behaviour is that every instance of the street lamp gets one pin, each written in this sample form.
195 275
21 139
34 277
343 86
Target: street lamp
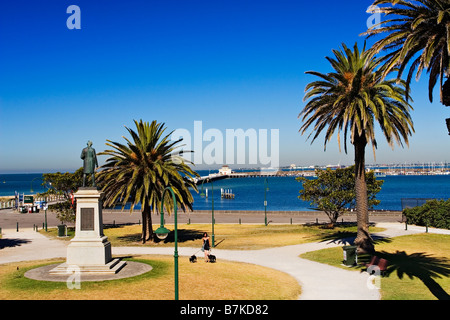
212 208
266 188
202 194
45 207
212 211
31 183
163 232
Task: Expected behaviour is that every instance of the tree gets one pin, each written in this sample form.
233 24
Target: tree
66 184
65 211
333 191
137 173
416 34
351 99
63 183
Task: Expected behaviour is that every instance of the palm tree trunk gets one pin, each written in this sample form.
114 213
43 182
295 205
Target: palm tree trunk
445 93
363 240
147 227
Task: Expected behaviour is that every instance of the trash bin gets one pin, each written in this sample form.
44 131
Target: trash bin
350 257
61 230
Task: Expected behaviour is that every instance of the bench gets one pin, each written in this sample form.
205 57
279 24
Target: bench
381 263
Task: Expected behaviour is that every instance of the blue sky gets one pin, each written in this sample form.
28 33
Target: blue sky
230 64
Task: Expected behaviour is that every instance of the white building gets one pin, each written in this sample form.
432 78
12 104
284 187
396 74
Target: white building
225 170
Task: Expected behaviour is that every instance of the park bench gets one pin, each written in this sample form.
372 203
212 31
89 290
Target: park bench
381 263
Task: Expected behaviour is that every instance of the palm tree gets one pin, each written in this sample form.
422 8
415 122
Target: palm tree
417 34
352 99
137 173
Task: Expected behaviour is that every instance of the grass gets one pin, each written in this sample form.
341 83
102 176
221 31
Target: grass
231 281
419 266
229 236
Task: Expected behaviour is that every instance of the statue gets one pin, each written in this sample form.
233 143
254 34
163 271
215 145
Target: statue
89 162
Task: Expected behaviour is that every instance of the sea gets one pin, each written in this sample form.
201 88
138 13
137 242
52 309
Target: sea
281 194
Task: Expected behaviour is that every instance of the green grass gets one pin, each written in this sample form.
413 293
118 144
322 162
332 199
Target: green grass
229 236
419 266
158 284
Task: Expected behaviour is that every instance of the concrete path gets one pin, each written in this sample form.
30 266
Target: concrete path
318 281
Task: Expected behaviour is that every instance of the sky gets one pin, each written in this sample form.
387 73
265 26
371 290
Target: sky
234 64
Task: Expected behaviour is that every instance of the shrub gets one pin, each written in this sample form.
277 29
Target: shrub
434 213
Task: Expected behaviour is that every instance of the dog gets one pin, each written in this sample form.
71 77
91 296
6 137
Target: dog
212 258
192 258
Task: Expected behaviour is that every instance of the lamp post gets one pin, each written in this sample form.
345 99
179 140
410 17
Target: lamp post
45 208
266 188
163 232
212 212
212 208
202 194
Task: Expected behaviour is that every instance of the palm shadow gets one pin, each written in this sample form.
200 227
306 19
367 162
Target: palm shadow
421 265
183 236
348 238
6 243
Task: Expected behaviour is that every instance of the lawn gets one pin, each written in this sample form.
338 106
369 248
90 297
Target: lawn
230 236
419 266
231 281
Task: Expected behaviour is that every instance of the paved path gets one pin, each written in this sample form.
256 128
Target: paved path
318 281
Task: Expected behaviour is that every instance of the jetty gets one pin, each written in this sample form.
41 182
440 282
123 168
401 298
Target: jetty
219 176
380 171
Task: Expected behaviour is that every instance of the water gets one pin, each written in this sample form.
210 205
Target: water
22 183
282 194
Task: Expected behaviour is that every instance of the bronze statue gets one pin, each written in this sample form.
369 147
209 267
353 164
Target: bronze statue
89 163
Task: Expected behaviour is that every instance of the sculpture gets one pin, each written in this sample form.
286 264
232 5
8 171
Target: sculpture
89 162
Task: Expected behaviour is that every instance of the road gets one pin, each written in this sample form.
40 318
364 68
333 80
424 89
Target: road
9 218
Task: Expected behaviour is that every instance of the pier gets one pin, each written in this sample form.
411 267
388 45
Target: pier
379 170
220 176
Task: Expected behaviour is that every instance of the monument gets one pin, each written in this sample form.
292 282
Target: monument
89 162
89 251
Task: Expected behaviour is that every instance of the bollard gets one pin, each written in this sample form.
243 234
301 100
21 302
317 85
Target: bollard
291 220
239 220
189 221
114 223
317 221
17 227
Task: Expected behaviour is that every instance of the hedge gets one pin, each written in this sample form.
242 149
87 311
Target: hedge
434 213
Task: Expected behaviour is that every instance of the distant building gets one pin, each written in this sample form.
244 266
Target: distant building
225 170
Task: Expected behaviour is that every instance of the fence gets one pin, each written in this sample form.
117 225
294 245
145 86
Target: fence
11 203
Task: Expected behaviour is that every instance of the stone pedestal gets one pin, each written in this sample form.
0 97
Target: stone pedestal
89 251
